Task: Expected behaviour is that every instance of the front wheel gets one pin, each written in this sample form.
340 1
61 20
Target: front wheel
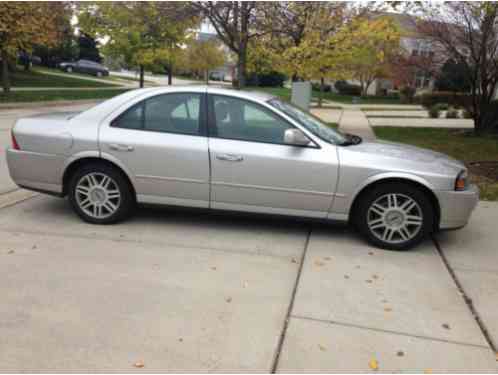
100 194
395 216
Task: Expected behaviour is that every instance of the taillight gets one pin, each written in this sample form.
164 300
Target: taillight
15 145
461 181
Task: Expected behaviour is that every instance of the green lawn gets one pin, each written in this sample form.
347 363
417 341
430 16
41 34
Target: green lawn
49 95
38 78
456 143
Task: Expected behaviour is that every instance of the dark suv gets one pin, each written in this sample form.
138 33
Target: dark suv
86 67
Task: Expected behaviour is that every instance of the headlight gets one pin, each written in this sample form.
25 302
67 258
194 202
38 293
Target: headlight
461 181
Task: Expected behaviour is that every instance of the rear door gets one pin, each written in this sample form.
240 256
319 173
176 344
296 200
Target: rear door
162 143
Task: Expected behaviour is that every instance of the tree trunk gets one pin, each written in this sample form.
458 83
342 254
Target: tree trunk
322 89
141 80
241 68
207 76
5 72
170 75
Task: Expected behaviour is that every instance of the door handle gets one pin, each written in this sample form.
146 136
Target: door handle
229 157
120 147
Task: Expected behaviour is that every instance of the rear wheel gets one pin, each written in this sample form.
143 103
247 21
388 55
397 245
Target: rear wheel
100 194
395 216
69 69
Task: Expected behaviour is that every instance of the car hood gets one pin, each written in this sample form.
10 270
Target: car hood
408 153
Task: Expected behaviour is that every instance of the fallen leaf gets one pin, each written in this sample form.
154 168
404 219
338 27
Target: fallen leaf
370 253
319 263
346 276
180 339
446 326
228 299
374 365
10 252
384 301
34 247
375 277
400 353
497 356
358 267
294 260
388 309
327 258
139 364
368 281
322 348
213 268
427 371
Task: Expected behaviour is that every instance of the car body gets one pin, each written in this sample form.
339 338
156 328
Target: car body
85 67
216 148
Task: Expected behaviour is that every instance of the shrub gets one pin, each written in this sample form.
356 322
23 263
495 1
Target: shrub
407 93
452 113
345 88
466 114
434 111
316 87
490 116
271 79
454 99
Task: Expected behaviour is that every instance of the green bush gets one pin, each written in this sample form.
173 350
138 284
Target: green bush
434 111
271 79
452 113
345 88
407 94
466 114
454 99
316 87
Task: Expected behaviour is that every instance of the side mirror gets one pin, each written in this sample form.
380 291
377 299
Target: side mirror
296 137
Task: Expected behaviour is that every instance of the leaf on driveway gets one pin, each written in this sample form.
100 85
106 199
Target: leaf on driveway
446 326
374 365
319 263
228 299
369 281
294 260
346 276
11 252
375 277
388 309
327 258
427 371
213 268
400 353
139 364
322 348
370 253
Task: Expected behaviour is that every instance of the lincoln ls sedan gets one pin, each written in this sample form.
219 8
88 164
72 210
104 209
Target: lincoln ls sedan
239 151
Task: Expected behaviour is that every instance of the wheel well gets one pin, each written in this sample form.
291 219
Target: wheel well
421 187
75 165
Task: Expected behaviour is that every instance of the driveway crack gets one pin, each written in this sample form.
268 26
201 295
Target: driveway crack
291 304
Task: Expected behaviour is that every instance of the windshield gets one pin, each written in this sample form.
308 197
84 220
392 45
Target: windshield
310 122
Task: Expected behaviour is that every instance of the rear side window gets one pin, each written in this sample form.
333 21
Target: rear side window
169 113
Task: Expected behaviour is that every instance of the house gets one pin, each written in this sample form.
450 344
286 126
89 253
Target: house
227 71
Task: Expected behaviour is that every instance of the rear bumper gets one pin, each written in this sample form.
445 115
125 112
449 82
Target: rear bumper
36 171
456 207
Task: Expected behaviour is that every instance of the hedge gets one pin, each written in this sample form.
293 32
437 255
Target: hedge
454 99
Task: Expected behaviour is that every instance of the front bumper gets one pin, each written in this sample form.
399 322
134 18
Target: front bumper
457 206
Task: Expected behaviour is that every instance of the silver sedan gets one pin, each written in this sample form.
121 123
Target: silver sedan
240 151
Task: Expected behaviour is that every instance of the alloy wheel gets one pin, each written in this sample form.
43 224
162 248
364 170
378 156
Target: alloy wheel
394 218
98 195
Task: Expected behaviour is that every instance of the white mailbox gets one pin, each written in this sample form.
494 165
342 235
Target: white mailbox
301 94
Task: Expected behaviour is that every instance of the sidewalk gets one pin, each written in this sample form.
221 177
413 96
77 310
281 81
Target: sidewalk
355 122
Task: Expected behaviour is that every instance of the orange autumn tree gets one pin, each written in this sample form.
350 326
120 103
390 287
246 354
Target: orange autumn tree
23 25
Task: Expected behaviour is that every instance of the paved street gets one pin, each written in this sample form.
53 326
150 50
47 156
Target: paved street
187 290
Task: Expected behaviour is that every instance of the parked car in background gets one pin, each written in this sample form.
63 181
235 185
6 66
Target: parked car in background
85 67
217 76
242 151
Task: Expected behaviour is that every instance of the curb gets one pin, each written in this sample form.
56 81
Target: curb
54 103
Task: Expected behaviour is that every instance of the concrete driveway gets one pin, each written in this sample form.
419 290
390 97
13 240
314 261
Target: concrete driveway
180 290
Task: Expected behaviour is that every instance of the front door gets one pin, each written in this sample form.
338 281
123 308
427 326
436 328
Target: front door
161 141
252 169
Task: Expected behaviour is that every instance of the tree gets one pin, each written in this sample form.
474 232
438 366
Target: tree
88 48
203 56
144 34
236 23
23 25
467 32
368 46
452 77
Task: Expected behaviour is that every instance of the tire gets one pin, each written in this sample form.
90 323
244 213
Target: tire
99 74
69 69
394 216
100 194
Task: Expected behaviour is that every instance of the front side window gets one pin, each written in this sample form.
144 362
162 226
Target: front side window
240 119
168 113
312 123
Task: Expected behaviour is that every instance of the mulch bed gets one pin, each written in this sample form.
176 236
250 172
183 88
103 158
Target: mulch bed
488 169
